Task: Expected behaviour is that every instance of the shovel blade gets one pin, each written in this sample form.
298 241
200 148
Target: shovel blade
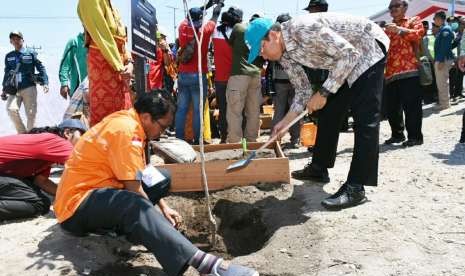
241 163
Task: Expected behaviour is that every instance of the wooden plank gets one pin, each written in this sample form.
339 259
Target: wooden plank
187 177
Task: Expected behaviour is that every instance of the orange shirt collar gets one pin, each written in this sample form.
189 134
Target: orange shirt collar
133 113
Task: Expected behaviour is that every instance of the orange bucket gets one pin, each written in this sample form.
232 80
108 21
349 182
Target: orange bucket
268 109
308 134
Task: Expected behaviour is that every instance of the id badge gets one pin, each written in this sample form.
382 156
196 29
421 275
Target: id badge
151 176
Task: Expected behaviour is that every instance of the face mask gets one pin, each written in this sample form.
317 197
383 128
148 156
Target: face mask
454 26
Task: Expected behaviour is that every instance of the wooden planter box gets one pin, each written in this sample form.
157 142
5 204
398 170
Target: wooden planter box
188 178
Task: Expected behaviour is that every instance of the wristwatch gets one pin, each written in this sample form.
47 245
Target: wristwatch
324 92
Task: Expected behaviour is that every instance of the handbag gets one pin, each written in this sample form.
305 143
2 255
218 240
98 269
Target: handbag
425 71
11 86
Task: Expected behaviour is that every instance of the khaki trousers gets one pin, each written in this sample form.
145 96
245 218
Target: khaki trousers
28 96
442 81
243 95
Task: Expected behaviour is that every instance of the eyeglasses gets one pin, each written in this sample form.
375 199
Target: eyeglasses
162 126
395 6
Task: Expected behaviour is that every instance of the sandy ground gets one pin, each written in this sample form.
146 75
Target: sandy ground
413 223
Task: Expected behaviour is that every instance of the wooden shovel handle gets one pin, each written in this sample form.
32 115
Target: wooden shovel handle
272 139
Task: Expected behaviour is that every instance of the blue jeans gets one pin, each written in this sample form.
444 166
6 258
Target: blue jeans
189 93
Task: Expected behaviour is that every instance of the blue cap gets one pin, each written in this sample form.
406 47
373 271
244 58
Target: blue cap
254 35
73 123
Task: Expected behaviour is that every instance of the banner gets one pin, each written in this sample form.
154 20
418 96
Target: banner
144 29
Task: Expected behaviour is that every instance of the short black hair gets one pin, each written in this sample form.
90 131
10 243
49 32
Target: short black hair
425 23
158 103
53 130
441 14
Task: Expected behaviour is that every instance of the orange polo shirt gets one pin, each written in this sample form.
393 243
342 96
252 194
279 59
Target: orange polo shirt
110 152
401 60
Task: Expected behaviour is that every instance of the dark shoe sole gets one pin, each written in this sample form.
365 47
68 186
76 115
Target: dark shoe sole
314 179
340 207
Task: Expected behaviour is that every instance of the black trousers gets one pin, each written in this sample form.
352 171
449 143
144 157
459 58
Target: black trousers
455 82
364 101
405 96
220 89
135 217
20 198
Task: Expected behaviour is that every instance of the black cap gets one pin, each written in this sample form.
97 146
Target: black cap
316 3
16 33
284 17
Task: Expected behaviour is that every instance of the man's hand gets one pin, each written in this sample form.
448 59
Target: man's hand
280 128
441 65
4 96
461 63
316 103
127 72
171 215
392 28
64 91
45 87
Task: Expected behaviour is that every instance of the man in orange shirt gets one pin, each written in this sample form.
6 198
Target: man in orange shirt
108 185
403 90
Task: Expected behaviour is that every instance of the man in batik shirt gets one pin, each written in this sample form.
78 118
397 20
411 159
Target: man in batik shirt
353 50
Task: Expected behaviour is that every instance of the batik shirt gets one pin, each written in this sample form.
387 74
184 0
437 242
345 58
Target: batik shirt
402 62
345 45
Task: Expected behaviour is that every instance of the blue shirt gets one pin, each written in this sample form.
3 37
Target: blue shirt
28 64
443 44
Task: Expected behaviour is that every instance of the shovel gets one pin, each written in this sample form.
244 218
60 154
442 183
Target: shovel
244 162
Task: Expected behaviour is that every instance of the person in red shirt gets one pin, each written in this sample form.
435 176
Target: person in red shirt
223 63
157 67
403 90
188 81
25 163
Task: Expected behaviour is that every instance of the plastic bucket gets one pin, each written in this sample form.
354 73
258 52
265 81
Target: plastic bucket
268 109
308 134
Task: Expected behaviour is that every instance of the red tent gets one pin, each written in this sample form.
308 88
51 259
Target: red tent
425 9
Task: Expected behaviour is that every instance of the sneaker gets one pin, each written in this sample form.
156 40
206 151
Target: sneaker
412 142
312 172
224 268
394 140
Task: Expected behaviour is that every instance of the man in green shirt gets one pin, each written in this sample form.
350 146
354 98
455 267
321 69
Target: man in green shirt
243 93
73 65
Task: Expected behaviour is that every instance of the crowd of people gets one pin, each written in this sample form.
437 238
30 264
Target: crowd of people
332 65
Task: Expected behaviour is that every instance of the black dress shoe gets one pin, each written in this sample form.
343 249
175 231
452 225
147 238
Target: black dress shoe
312 172
412 142
394 140
346 198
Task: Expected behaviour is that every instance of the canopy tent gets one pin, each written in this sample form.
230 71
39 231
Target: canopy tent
425 9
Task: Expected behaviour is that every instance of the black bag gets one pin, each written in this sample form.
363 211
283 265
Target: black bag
11 87
186 53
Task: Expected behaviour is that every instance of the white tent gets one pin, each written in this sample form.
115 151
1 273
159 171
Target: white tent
425 9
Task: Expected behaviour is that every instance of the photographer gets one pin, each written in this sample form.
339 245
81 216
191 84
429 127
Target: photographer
19 82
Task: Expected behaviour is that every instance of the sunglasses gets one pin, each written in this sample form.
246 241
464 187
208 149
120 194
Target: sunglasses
395 6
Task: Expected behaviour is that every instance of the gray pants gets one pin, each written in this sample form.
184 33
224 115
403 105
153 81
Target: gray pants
243 94
282 102
135 217
28 96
